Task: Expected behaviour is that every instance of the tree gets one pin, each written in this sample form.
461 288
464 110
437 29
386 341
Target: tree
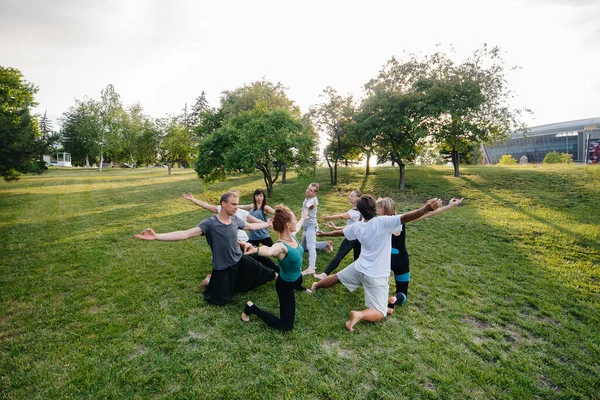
48 137
465 103
334 117
394 124
20 142
81 131
178 144
257 139
111 119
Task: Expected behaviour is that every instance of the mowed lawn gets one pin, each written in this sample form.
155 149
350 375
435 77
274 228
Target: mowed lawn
503 302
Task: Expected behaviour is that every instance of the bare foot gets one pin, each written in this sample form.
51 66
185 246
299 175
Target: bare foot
313 287
329 246
354 318
246 317
205 282
309 271
392 300
320 276
308 291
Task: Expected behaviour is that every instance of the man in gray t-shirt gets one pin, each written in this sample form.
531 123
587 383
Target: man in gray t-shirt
232 271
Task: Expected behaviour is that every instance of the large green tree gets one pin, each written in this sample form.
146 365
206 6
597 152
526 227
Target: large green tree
259 139
20 141
112 116
394 123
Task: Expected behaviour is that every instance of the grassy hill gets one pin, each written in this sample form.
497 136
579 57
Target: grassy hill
503 301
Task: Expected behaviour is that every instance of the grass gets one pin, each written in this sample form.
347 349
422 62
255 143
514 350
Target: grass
503 301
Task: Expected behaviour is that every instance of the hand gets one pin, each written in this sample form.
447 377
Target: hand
188 196
270 223
326 217
148 234
432 204
248 247
454 201
330 225
320 233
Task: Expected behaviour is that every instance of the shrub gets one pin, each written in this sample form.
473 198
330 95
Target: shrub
507 159
554 157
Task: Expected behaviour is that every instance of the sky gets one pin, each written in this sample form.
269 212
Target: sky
163 54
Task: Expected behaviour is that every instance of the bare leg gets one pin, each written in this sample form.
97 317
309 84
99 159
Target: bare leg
246 317
325 282
370 314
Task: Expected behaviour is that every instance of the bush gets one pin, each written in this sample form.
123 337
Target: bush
555 158
507 159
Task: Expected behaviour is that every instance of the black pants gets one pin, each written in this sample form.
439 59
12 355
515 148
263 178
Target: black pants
264 241
344 249
287 306
246 275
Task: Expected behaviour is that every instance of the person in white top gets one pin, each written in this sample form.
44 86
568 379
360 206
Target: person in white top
372 269
309 235
352 216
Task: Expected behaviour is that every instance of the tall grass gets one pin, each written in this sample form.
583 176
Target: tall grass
503 301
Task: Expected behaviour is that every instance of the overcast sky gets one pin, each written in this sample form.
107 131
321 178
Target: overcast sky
163 54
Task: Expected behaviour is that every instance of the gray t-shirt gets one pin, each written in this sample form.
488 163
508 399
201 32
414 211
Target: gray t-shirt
312 213
222 240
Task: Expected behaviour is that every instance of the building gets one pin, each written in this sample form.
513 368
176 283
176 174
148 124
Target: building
576 138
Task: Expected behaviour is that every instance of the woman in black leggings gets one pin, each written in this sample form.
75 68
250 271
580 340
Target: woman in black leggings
400 260
289 253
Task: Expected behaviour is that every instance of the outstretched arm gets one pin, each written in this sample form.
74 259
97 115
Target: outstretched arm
301 221
333 226
451 204
337 232
336 216
249 226
277 250
246 207
149 234
430 205
203 204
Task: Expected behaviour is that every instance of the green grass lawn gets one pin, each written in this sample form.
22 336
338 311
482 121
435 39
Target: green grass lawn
503 302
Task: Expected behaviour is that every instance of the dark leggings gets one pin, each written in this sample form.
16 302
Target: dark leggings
344 249
400 268
287 306
264 241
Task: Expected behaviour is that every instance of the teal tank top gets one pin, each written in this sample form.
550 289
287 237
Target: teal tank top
291 265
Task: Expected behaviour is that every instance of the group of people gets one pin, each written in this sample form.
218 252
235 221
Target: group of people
243 262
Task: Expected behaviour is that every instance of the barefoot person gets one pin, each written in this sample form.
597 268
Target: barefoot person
399 258
309 236
352 216
372 269
232 271
259 209
289 253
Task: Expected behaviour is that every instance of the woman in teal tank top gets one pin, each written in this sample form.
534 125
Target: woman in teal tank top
289 253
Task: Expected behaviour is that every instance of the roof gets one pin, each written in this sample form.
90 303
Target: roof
559 127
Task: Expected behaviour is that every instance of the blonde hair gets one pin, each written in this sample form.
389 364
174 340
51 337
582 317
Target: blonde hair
315 185
387 205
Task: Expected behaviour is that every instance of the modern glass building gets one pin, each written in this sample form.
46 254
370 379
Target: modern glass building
576 138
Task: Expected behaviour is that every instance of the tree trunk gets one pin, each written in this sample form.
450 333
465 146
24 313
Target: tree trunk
87 162
330 170
401 182
335 165
368 166
101 160
455 163
283 174
169 166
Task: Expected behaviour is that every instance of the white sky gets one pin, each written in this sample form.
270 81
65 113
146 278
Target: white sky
163 54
